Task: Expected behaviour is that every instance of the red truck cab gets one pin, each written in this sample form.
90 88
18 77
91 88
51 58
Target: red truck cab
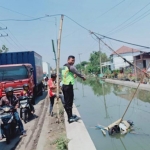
16 75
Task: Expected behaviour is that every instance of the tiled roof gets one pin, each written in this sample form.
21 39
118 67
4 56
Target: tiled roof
125 49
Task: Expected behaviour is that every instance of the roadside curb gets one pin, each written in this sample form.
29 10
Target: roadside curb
78 134
129 84
44 132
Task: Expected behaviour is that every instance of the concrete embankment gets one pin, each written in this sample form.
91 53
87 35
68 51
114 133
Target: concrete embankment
129 84
78 134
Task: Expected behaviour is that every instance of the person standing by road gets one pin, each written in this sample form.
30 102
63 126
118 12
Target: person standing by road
69 73
52 93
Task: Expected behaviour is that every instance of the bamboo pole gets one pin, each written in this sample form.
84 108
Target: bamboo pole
58 64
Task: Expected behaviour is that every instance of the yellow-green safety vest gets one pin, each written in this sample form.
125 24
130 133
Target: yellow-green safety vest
67 76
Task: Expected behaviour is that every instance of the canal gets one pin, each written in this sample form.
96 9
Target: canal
104 103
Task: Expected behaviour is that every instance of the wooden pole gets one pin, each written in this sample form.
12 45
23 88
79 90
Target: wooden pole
58 64
134 93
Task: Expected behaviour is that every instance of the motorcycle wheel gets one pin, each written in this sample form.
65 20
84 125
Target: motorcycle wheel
25 117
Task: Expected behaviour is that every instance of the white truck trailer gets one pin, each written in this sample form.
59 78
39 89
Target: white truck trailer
46 69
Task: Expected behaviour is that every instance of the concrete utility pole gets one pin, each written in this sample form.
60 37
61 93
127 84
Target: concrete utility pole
80 61
54 51
58 62
100 59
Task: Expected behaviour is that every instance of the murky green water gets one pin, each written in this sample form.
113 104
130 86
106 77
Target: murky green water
106 103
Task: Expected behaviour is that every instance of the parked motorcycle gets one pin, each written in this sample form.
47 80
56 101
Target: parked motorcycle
44 85
7 122
25 110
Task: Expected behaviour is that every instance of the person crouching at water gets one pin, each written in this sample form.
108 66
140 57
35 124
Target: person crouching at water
52 93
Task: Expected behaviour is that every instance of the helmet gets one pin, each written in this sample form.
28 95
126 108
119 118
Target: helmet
53 75
25 85
9 89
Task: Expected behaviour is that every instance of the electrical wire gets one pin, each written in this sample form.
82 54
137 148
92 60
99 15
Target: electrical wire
108 10
20 45
122 41
134 21
106 36
34 19
128 18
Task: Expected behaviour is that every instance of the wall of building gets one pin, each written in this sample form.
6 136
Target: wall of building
119 62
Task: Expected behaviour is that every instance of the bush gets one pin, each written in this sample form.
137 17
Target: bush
62 143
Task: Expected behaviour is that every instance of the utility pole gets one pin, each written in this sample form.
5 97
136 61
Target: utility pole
1 35
80 61
54 51
58 62
100 60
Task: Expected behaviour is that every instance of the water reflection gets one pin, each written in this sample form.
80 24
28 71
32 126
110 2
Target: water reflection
96 85
107 116
127 93
105 100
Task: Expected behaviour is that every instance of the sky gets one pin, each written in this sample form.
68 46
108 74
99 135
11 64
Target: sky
114 18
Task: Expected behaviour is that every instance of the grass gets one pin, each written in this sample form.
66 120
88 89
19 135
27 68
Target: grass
61 143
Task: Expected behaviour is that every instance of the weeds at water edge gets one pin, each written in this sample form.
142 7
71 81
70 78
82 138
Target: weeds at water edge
61 143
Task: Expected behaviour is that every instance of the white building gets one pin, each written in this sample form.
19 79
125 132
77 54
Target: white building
127 53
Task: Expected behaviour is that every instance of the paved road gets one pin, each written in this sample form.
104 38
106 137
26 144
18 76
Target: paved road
32 127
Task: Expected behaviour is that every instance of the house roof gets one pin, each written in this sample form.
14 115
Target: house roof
125 49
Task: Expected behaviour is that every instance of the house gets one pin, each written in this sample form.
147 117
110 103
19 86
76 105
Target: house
127 53
142 61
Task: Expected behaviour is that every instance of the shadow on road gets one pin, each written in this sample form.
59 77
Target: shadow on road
11 146
40 98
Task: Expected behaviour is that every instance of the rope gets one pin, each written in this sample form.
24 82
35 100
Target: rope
134 94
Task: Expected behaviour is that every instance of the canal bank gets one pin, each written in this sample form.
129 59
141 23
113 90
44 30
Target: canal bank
129 84
79 138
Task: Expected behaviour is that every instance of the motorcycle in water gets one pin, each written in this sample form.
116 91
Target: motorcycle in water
7 122
25 109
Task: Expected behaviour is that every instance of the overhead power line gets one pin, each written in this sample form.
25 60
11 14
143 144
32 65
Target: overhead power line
16 12
80 26
129 18
108 10
34 19
122 41
107 36
134 21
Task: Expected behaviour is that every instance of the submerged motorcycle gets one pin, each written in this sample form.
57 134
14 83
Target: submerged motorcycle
25 109
7 122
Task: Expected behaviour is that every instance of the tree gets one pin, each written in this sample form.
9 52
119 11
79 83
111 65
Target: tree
95 61
4 49
82 65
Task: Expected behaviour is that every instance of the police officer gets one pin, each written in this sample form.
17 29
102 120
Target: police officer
69 72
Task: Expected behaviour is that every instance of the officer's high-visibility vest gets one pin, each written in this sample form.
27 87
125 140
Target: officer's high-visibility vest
67 76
